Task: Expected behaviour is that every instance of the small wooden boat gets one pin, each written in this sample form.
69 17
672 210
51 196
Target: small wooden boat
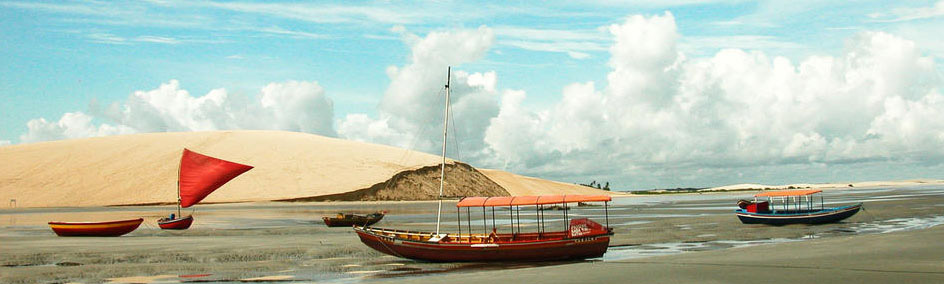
349 220
174 223
197 176
796 207
95 229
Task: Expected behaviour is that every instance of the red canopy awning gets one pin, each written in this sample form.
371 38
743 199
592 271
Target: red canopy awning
529 200
788 193
200 175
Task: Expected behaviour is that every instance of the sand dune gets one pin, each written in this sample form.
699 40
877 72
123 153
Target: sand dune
142 168
518 185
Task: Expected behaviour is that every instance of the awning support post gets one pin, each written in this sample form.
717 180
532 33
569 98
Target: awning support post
606 213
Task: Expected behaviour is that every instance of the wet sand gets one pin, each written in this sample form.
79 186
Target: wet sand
903 257
288 241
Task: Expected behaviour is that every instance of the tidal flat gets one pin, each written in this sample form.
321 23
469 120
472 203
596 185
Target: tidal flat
274 241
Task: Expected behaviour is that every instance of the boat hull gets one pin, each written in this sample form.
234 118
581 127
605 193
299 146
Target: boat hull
176 224
540 250
817 217
350 222
95 229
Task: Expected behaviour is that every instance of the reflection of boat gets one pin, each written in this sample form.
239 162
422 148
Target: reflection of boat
580 239
792 210
198 176
348 220
95 229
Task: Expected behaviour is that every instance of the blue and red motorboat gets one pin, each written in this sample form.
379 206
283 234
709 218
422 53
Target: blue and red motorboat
794 207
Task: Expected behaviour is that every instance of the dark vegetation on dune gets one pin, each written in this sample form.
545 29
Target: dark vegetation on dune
421 184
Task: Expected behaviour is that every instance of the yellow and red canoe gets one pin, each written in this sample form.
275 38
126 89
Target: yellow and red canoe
95 229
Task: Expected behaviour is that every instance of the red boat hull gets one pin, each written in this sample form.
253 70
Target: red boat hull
95 229
176 224
532 250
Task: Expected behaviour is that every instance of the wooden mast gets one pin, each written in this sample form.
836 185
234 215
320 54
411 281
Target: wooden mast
178 185
442 169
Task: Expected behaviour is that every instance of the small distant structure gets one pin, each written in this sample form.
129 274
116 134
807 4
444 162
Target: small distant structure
13 203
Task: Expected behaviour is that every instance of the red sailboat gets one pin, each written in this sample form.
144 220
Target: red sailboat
581 239
197 177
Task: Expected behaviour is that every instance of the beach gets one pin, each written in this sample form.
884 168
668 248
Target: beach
909 257
655 237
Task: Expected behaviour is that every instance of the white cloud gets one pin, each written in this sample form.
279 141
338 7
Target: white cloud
878 100
157 39
751 42
291 106
106 38
574 43
910 14
70 125
412 106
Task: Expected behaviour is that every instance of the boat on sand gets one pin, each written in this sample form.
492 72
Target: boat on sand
197 176
582 238
795 207
349 220
95 229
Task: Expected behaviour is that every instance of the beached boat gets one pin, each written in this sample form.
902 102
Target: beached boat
95 229
198 176
796 207
581 238
349 220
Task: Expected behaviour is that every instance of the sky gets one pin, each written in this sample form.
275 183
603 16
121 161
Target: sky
638 94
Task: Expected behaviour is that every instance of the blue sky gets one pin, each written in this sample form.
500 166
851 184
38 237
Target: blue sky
89 58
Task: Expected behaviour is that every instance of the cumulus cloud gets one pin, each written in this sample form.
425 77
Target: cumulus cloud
878 100
291 106
660 118
412 106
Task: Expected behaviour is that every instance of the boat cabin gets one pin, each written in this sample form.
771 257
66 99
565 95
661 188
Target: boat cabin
788 201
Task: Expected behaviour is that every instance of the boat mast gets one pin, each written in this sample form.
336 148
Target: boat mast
442 169
178 186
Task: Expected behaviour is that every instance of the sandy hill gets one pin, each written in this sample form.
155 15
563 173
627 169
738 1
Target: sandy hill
142 169
746 186
518 185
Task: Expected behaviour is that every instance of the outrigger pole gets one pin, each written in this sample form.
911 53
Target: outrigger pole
442 169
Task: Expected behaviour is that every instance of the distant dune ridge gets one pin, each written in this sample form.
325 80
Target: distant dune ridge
142 169
747 186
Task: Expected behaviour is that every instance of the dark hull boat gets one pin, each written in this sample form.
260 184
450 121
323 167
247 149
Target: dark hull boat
502 247
795 207
583 238
350 220
580 239
95 229
175 224
829 215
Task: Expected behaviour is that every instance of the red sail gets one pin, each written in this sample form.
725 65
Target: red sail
200 175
